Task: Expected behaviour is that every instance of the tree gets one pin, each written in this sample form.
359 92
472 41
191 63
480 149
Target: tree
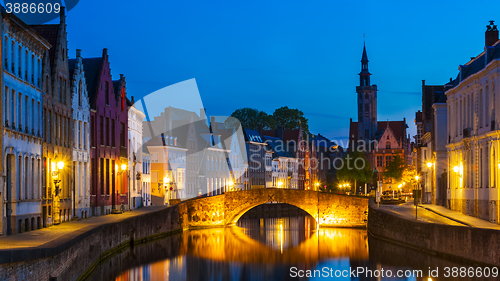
251 118
355 168
289 118
395 169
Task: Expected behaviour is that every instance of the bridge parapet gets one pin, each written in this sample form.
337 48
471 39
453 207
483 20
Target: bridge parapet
333 210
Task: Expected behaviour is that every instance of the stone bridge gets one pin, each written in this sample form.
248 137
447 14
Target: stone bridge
333 210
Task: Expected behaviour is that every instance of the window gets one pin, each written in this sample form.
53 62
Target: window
75 128
102 175
101 126
106 131
80 134
367 134
19 110
113 140
106 92
122 134
12 108
380 161
6 103
108 178
80 93
388 160
387 145
60 89
84 135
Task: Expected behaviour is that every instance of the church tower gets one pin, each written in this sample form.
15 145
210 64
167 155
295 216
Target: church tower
367 102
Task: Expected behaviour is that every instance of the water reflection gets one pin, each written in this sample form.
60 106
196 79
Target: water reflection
262 249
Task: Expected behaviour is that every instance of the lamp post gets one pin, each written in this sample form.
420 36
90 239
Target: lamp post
56 168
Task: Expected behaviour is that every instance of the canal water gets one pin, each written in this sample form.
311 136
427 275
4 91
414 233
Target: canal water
271 247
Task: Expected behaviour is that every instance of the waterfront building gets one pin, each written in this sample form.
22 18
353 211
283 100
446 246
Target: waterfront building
108 137
429 151
473 129
381 141
135 119
57 203
146 177
21 138
284 167
256 152
81 155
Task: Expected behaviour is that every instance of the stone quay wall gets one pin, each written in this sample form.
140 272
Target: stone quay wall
72 257
465 244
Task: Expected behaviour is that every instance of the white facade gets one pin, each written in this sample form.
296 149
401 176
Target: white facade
22 143
285 173
474 142
146 178
81 156
135 118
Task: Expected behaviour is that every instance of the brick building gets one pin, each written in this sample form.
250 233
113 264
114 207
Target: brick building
108 137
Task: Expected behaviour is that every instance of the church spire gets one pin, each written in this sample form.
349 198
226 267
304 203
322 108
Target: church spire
364 75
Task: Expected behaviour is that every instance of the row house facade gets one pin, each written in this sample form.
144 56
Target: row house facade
20 192
57 202
108 138
474 134
146 177
429 152
81 149
135 119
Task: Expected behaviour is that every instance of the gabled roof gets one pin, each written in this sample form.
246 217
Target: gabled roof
397 127
279 147
71 67
92 67
50 32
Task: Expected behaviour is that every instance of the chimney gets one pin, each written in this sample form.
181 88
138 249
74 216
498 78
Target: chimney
62 15
105 53
132 100
78 53
121 76
491 34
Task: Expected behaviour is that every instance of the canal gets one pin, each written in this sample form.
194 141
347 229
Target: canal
266 245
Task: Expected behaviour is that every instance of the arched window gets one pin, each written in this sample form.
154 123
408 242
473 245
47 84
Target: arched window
493 168
387 145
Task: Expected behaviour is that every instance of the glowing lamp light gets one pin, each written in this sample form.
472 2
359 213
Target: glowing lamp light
417 177
166 179
124 167
400 185
116 167
53 166
60 165
456 169
429 164
280 184
231 183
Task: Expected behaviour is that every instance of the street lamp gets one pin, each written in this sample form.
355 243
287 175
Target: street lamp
280 183
56 168
231 184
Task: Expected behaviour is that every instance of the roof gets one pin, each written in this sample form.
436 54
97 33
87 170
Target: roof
252 135
397 127
71 66
50 32
92 67
364 58
476 64
278 147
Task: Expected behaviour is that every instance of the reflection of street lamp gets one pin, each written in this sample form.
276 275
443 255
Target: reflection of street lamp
56 167
231 184
317 186
280 183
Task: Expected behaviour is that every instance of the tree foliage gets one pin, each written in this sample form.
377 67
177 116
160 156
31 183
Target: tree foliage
252 118
355 168
285 117
395 169
289 118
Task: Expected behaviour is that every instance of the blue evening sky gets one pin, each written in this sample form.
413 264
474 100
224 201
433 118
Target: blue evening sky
302 54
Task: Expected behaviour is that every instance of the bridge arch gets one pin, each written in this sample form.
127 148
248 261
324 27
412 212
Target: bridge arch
237 204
